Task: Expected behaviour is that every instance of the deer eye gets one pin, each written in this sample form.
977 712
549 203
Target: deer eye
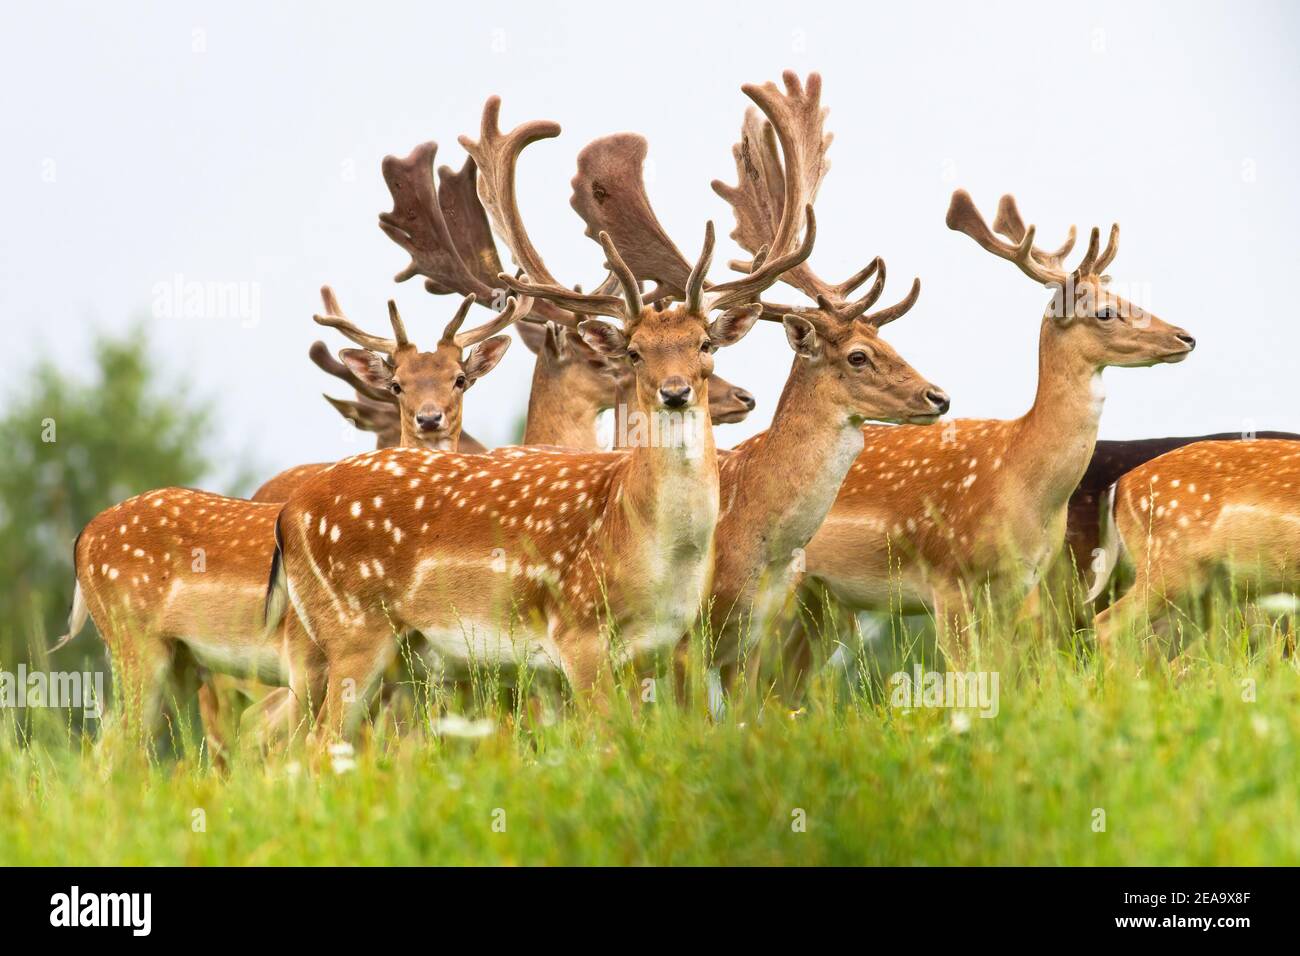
859 358
460 381
395 388
1106 314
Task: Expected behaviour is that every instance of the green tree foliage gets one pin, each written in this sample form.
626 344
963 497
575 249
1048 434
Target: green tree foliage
71 448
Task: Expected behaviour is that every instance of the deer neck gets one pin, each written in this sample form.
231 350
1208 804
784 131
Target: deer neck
556 418
668 492
624 406
1057 436
411 438
791 474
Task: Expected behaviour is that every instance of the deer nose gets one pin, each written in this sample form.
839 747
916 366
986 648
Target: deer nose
939 399
675 392
1186 340
745 398
429 421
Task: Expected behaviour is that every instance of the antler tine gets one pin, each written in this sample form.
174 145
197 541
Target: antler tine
747 289
758 197
845 288
887 315
608 285
1087 266
609 193
335 319
417 224
496 155
366 416
320 354
793 129
449 333
515 307
797 118
695 283
1112 248
631 288
964 217
467 221
832 300
855 309
569 301
399 328
1009 223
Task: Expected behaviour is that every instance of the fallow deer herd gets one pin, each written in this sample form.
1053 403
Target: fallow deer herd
574 557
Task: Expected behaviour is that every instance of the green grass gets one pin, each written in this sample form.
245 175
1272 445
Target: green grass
1187 769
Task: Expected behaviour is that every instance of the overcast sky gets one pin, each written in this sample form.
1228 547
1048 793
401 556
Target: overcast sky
231 143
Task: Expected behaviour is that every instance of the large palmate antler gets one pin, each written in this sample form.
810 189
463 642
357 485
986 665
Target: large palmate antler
418 223
766 184
496 155
621 206
609 194
445 229
1039 264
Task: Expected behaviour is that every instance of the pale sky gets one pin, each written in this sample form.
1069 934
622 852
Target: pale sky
231 143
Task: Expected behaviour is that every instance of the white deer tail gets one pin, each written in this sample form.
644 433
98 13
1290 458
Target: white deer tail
277 587
76 618
1110 546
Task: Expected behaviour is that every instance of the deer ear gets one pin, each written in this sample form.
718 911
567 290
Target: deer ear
802 335
483 358
368 366
603 337
533 334
730 327
557 341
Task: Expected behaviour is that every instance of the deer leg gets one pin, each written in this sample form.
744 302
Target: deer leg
281 714
590 676
1144 601
210 715
144 666
681 663
797 653
350 678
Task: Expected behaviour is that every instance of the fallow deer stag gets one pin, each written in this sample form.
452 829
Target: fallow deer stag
175 579
567 562
445 231
930 518
372 411
778 486
1213 508
427 388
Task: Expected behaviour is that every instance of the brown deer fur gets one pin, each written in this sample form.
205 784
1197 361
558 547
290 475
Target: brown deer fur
1213 508
930 517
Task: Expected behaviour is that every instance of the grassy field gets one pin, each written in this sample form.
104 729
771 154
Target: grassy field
1137 763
